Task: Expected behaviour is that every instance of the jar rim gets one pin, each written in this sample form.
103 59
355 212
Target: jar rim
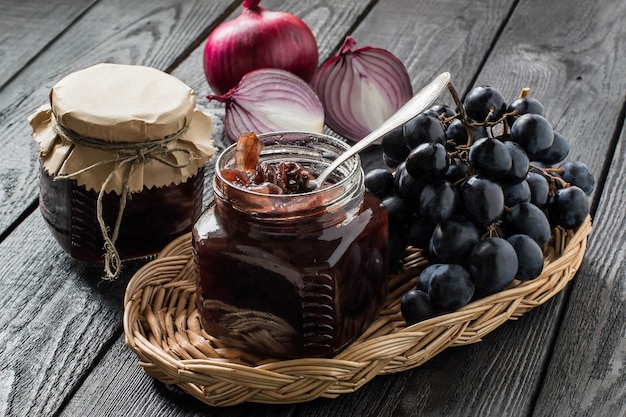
353 163
314 152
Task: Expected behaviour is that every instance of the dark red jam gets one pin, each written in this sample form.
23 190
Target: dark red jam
293 290
290 275
151 219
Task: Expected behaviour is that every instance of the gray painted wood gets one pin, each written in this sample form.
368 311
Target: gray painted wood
30 26
61 341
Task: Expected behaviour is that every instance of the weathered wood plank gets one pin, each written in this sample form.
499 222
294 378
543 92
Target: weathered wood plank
586 375
29 26
55 319
575 65
154 34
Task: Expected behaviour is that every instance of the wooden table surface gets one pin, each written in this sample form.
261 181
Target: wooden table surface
62 349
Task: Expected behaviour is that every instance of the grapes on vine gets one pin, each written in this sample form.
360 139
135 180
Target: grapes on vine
478 188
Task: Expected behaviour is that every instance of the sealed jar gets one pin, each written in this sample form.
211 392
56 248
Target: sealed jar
291 275
122 154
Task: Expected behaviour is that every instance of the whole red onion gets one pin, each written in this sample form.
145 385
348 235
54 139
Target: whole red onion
258 38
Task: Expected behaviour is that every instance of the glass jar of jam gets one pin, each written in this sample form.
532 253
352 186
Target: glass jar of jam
291 275
122 151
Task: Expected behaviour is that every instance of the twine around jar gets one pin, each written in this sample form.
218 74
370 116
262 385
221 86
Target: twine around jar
130 155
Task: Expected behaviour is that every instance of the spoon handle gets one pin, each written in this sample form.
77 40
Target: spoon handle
417 104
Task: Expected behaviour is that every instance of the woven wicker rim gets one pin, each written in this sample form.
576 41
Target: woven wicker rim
162 326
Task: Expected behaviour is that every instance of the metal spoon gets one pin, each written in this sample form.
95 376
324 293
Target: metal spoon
417 104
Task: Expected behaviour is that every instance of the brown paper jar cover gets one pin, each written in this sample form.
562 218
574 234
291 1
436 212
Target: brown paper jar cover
122 104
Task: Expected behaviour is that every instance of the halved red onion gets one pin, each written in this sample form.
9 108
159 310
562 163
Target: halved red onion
271 100
360 89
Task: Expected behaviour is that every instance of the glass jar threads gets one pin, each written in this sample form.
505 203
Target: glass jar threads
291 275
122 151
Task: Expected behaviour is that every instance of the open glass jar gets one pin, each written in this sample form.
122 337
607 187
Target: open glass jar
292 275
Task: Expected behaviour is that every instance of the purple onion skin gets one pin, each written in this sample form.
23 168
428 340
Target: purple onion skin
337 84
281 93
258 38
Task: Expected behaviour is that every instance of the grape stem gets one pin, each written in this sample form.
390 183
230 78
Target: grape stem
524 92
547 172
493 230
469 125
462 115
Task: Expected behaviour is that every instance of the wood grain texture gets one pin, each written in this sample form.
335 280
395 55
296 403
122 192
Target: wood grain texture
55 319
572 65
586 375
151 33
29 26
61 348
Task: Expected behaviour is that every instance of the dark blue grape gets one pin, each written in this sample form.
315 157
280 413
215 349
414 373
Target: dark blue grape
398 242
419 232
424 279
529 257
457 171
415 306
516 193
408 187
569 207
438 201
493 264
524 105
556 153
539 189
578 174
534 133
437 110
490 158
519 163
423 128
427 161
451 287
391 163
453 240
538 166
398 212
457 132
482 199
484 103
395 148
528 219
379 182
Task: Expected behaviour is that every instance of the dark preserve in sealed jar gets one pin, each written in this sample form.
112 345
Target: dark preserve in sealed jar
151 219
122 151
291 275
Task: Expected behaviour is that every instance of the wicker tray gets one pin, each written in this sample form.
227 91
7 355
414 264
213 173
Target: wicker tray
162 327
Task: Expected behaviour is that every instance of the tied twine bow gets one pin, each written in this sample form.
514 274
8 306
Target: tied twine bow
130 156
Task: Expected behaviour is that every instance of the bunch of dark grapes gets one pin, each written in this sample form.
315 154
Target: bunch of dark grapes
479 189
